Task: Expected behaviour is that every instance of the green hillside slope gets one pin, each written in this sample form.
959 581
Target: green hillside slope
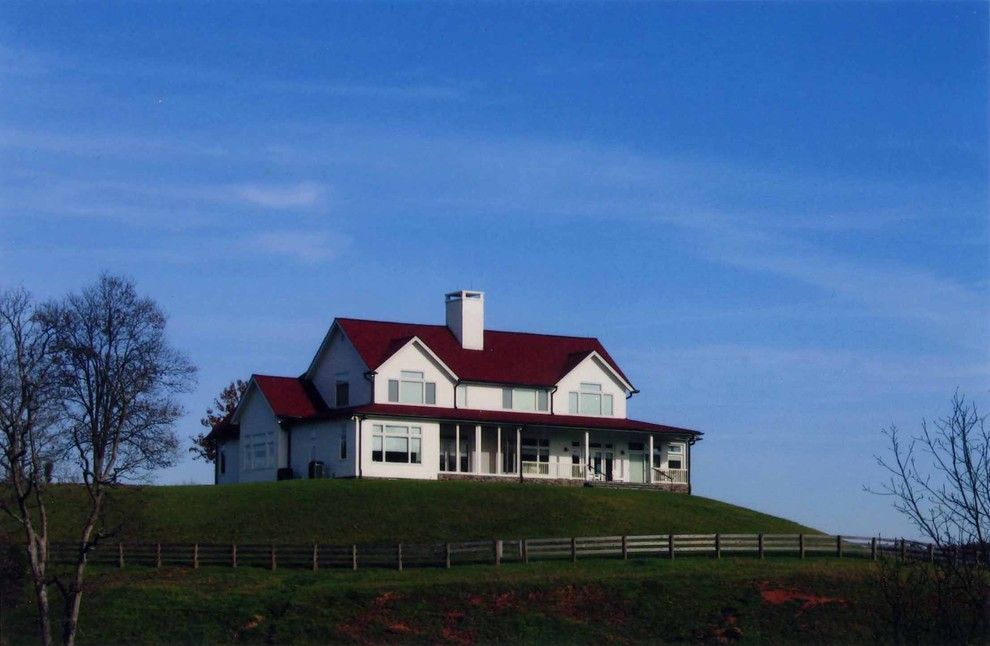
368 511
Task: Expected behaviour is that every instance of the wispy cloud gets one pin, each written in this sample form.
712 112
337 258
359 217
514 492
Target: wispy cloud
284 196
310 247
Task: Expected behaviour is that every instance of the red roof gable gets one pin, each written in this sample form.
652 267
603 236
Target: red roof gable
508 357
290 396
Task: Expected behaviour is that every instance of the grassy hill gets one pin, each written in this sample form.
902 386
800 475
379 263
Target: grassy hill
368 511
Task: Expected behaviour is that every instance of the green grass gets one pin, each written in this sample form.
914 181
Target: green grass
595 601
368 511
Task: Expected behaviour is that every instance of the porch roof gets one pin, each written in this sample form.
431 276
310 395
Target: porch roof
512 418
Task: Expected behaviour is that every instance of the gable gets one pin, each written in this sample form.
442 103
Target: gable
508 357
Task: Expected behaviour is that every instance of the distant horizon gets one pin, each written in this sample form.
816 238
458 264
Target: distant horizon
773 216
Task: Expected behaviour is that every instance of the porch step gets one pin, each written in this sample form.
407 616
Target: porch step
642 486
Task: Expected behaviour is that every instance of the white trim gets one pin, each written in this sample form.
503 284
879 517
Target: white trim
426 349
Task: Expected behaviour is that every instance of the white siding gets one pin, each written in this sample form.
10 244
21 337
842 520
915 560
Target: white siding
591 370
232 452
430 463
321 441
256 416
338 355
414 357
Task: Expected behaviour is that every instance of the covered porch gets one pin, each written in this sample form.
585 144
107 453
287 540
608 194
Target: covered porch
564 455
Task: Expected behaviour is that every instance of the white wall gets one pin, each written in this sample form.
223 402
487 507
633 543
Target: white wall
414 357
321 441
338 355
591 370
232 450
256 416
429 465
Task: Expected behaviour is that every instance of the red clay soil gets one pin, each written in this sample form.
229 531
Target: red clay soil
779 596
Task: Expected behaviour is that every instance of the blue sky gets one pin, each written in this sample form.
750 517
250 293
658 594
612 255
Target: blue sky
774 216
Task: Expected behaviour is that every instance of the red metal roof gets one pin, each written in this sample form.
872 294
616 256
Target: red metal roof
511 418
508 357
290 397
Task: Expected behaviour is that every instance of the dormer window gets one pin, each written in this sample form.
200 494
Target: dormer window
525 399
412 388
589 400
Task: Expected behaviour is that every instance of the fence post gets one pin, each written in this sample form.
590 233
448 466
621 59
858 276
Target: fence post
398 555
931 553
158 556
573 550
353 557
525 550
903 549
120 555
838 546
497 546
670 546
801 545
446 549
625 547
195 555
718 546
873 548
274 563
316 557
759 544
233 555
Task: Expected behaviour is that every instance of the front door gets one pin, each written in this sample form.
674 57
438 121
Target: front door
637 466
603 464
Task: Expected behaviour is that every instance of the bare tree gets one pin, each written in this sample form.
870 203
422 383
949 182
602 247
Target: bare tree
204 445
28 403
939 479
118 380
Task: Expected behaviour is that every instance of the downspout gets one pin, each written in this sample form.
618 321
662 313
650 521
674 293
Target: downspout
634 391
457 384
553 391
690 463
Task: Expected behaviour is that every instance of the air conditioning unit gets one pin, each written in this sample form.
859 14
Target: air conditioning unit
285 473
316 470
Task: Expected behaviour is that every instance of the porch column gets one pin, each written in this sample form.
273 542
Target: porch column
649 464
477 448
457 447
587 456
498 450
519 451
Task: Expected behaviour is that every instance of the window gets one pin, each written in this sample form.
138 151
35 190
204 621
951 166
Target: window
635 446
676 448
343 388
461 394
535 450
525 399
399 444
343 444
673 464
675 456
589 400
412 389
259 451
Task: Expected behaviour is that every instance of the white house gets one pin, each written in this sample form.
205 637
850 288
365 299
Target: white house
401 400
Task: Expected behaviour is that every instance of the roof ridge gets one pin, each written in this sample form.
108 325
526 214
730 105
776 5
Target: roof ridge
441 325
258 374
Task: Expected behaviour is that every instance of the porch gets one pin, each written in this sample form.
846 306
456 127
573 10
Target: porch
563 455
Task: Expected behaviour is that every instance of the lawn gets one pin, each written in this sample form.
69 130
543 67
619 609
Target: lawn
778 600
369 511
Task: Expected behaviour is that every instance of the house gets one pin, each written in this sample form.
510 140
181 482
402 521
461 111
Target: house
455 401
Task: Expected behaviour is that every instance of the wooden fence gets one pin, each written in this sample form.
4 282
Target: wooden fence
404 555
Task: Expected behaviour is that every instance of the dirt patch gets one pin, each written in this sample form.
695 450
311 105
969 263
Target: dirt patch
780 596
726 631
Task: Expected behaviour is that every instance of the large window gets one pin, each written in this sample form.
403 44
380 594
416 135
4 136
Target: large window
343 444
675 456
589 400
400 444
259 451
412 388
343 389
526 399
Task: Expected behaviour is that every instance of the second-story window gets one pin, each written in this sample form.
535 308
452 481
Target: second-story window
412 388
342 391
589 400
524 399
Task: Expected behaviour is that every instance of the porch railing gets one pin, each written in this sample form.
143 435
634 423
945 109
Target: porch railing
674 476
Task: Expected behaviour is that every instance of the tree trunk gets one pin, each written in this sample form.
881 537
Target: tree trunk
73 600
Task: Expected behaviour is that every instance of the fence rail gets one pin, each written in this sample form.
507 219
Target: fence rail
317 556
